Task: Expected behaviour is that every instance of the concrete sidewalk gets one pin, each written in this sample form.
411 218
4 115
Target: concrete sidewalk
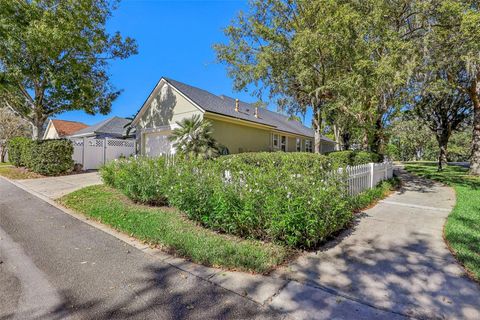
395 258
55 187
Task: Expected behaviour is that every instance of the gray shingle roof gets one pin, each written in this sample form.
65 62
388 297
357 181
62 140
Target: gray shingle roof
112 126
224 105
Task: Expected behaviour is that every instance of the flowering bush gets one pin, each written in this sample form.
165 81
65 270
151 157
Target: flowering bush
292 198
143 180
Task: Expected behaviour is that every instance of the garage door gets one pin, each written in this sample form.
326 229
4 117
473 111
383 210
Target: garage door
157 144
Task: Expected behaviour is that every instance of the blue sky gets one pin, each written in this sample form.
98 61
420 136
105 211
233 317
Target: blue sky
174 39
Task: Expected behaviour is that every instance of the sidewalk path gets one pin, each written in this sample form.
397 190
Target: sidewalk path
395 258
55 187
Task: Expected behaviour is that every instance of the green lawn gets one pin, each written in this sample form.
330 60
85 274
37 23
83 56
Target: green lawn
170 230
462 230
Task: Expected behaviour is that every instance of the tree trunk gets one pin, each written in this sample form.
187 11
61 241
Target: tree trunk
442 140
317 127
475 159
346 140
37 129
378 139
365 140
442 157
336 132
3 153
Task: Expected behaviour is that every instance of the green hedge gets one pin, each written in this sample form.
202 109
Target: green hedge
352 158
17 148
284 197
48 157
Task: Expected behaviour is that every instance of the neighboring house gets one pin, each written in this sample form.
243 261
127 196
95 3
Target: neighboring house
109 128
239 126
57 129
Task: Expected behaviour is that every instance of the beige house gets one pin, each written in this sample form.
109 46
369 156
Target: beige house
239 126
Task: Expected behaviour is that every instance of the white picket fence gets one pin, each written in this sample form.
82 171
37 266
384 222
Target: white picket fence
92 153
367 176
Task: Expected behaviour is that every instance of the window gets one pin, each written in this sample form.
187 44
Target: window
275 140
308 146
283 143
299 144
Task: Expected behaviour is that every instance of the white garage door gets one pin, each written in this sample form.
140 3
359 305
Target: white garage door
157 144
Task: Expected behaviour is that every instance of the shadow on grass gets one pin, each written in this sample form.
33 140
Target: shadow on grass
451 175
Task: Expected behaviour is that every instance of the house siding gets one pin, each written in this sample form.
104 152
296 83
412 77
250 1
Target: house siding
165 109
327 146
239 138
51 133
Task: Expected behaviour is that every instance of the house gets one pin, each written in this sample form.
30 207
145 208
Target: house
109 128
239 126
57 129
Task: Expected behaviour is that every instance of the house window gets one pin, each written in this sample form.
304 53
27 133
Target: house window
275 140
298 142
308 146
283 143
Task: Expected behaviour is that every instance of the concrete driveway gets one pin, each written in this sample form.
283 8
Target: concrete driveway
395 258
55 187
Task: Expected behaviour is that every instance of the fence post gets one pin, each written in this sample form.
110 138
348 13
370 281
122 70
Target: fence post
105 143
83 152
372 173
386 170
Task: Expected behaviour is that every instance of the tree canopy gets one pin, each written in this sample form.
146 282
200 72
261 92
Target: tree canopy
54 57
357 64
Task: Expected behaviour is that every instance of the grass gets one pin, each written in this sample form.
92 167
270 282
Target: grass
370 197
462 229
169 229
15 173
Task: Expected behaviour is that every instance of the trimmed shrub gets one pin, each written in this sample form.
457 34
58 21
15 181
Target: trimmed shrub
49 157
16 149
290 198
352 158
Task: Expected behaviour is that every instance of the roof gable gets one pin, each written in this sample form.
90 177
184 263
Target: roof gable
66 128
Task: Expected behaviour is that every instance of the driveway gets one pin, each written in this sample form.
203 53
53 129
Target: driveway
53 266
55 187
395 258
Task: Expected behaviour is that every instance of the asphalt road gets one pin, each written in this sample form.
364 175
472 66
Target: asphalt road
53 266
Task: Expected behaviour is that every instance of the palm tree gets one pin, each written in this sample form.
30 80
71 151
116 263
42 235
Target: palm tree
193 138
128 126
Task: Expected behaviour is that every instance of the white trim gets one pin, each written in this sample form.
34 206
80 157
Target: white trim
48 128
155 92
